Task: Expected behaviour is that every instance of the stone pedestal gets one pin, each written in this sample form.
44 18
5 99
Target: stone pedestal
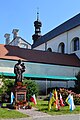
19 91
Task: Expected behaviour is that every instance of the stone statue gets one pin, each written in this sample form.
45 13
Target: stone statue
19 68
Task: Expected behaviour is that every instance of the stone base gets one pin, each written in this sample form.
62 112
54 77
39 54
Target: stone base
19 91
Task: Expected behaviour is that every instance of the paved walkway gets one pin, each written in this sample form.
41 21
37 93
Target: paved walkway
37 115
34 113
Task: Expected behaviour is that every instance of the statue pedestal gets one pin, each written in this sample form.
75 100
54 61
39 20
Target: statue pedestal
19 91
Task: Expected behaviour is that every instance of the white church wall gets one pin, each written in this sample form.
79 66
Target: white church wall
66 38
40 47
71 35
54 43
14 42
21 43
78 53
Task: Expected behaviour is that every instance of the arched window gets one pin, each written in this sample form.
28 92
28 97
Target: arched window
75 44
49 49
61 48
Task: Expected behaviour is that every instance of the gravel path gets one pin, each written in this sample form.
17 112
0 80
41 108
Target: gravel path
37 115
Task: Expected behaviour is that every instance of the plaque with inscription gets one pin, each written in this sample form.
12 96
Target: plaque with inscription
20 97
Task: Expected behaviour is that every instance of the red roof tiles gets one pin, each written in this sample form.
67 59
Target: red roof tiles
16 53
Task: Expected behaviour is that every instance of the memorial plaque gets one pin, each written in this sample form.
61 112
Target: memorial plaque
20 97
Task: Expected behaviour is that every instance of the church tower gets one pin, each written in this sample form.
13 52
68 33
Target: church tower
37 25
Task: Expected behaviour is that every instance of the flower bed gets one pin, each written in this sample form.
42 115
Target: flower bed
66 92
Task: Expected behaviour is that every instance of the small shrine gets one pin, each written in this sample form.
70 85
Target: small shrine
19 90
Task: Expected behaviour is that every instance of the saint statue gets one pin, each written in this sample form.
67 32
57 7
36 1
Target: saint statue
19 68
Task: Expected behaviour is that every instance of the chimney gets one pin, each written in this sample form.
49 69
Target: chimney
15 33
7 36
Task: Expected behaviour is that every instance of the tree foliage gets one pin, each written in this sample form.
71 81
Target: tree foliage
5 89
7 85
77 82
32 88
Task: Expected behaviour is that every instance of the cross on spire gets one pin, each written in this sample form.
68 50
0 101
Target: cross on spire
37 14
37 25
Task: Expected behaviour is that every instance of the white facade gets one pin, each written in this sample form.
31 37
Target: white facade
65 38
18 41
40 47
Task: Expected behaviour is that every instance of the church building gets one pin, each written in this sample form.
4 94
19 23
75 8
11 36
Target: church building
53 60
63 39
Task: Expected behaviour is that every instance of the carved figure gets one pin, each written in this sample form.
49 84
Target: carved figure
19 68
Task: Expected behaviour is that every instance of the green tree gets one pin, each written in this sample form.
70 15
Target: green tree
77 82
5 90
32 88
7 85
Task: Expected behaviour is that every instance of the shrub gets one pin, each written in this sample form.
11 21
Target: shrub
5 89
32 88
77 83
66 92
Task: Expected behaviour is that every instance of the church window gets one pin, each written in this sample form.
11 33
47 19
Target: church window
61 48
49 49
75 44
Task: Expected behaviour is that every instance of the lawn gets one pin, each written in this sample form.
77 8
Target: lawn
5 113
43 106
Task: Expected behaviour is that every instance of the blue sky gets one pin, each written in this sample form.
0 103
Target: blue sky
21 14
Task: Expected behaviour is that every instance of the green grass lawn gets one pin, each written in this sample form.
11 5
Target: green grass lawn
5 113
43 106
